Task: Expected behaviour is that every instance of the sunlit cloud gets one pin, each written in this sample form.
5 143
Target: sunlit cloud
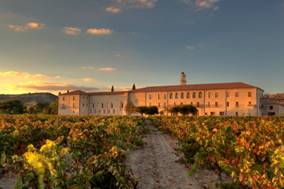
56 87
15 82
88 79
26 27
107 69
137 3
72 31
203 4
99 31
113 10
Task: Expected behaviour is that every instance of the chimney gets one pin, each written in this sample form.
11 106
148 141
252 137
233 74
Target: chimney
183 79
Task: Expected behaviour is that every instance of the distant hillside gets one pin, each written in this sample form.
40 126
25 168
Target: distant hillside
30 98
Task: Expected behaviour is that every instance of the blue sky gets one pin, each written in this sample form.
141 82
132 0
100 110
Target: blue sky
54 45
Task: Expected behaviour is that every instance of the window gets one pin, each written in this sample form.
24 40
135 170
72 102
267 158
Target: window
150 97
181 103
221 113
216 104
216 95
249 94
198 104
271 107
200 95
165 104
209 104
187 95
237 114
165 96
212 113
74 98
102 105
171 95
111 105
227 94
121 105
63 98
237 104
249 103
209 94
159 105
182 95
236 94
176 96
93 105
159 96
228 104
194 95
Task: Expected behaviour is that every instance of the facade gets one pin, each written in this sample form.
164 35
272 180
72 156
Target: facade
215 99
273 105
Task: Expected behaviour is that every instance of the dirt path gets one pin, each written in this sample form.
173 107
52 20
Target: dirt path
156 164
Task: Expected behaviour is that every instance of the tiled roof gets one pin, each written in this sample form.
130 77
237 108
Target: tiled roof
209 86
108 93
77 92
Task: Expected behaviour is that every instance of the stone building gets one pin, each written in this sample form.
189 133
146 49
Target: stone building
214 99
272 105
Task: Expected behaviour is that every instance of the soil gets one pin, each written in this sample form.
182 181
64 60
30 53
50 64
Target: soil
157 165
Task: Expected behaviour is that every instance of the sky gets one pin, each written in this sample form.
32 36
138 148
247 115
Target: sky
56 45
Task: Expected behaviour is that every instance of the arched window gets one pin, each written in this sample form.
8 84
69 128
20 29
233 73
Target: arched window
200 95
182 95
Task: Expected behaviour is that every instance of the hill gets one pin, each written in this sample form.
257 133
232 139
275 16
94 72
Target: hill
30 98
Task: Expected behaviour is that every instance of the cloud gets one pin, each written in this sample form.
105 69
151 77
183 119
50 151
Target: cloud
88 79
99 31
57 87
29 26
203 4
113 10
23 75
107 69
87 67
16 82
72 31
137 3
190 47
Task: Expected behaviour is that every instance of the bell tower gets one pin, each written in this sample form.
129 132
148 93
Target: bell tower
183 79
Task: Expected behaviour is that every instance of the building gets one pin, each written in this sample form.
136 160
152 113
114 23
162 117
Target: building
215 99
272 105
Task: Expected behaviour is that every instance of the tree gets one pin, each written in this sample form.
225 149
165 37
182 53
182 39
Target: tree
184 110
12 107
133 87
152 110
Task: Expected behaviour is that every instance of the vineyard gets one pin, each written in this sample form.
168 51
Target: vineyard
68 152
88 152
248 150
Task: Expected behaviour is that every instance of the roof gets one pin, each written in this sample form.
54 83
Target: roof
108 93
77 92
209 86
